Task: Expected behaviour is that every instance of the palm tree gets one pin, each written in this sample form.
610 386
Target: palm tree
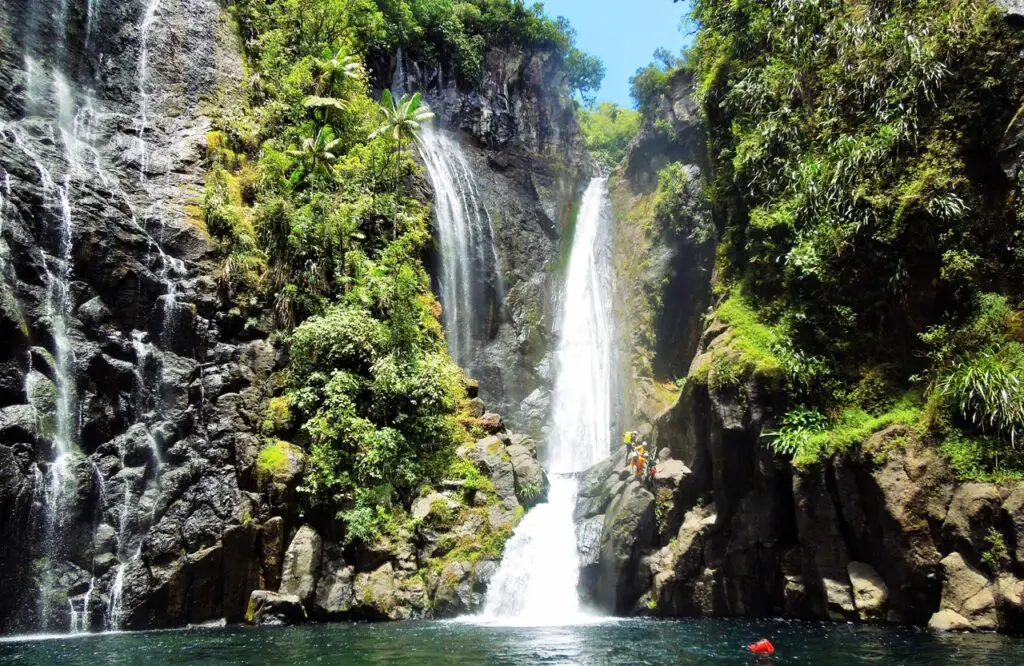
315 155
334 63
402 120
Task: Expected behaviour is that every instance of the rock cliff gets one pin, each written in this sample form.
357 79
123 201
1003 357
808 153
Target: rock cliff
519 132
881 533
135 488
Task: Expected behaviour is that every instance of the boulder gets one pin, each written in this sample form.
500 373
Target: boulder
273 609
967 592
334 591
947 620
273 551
302 564
1014 508
476 408
453 594
531 483
492 423
973 512
628 527
869 591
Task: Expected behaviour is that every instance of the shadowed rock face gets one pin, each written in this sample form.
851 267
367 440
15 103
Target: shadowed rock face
879 534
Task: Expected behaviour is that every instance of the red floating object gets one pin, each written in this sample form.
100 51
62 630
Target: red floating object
763 646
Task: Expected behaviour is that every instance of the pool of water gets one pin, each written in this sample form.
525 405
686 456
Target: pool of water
609 642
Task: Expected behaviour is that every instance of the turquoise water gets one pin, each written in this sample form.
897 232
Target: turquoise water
613 642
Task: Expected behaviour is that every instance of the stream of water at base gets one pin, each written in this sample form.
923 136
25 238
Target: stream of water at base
681 642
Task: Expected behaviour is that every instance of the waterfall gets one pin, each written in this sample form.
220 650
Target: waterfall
470 279
536 582
169 267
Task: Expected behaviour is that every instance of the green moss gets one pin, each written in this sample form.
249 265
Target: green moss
275 457
854 426
278 416
440 515
750 338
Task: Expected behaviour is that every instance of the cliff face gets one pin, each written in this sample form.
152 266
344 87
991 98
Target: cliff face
519 133
125 423
663 277
881 533
131 399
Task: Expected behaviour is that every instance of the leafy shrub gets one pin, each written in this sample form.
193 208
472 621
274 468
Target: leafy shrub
798 425
986 389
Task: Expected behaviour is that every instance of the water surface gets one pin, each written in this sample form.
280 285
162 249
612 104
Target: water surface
612 642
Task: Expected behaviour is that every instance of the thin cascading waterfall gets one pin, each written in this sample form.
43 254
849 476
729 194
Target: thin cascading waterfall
92 10
126 551
59 484
142 122
169 267
537 579
470 276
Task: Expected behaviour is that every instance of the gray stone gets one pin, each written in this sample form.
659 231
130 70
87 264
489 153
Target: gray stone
870 592
334 591
302 564
273 609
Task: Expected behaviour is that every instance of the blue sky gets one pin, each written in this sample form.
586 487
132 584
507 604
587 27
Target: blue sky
623 34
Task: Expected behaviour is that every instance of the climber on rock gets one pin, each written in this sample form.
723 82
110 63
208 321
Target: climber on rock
651 470
628 439
640 461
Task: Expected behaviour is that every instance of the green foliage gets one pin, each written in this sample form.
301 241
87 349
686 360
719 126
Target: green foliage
798 426
679 205
860 213
607 130
440 515
853 426
986 389
529 492
652 83
274 458
304 198
279 415
997 553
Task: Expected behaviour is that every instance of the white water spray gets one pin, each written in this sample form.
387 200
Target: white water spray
468 259
536 582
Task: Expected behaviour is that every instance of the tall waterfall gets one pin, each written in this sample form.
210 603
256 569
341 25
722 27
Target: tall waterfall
470 280
536 582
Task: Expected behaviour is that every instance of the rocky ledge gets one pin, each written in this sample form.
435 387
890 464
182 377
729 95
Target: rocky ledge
880 534
435 563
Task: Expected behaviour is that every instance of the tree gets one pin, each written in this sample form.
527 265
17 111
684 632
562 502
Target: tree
402 120
335 65
315 156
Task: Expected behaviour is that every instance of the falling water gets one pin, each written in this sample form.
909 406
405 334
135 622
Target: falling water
469 264
536 582
169 267
148 18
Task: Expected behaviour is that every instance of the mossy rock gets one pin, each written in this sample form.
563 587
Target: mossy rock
280 462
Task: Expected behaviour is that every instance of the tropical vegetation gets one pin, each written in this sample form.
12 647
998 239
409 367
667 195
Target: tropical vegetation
313 197
866 214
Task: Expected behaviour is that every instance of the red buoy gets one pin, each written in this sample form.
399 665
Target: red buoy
763 646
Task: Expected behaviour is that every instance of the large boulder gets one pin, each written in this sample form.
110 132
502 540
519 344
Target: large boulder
869 591
968 593
334 591
531 483
274 609
302 563
629 527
